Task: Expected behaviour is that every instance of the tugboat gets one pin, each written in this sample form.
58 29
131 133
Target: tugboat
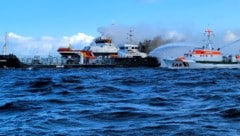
9 60
205 57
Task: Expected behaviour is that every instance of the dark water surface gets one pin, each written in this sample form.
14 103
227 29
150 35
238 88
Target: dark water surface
120 101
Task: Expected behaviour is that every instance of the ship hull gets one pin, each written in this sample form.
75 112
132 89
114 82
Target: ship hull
9 61
114 62
177 64
136 62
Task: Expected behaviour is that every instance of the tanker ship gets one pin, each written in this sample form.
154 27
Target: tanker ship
104 53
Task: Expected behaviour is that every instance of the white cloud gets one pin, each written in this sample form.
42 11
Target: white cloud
79 38
47 38
18 37
173 35
45 45
230 37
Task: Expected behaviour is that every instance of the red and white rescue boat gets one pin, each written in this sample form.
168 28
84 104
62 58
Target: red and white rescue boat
205 57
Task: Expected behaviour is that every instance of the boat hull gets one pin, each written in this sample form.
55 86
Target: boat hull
115 62
177 64
9 61
136 62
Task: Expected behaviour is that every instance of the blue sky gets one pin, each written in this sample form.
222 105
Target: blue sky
64 17
68 18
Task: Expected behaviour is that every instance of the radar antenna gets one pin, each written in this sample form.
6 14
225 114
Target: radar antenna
209 33
130 35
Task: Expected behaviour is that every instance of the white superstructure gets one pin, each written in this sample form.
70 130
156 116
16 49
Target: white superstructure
102 45
130 51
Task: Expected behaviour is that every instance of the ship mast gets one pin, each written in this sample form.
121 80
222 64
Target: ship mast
130 35
209 33
5 48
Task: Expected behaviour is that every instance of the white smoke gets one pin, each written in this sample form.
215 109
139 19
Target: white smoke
46 45
121 33
174 35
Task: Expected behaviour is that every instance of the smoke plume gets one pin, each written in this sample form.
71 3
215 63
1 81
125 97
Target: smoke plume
149 45
147 37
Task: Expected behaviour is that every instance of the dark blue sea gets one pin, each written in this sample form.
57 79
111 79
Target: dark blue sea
120 101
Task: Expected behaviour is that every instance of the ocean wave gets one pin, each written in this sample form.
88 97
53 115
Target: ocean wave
119 101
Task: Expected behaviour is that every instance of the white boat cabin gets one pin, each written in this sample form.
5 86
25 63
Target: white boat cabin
130 51
102 45
203 54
